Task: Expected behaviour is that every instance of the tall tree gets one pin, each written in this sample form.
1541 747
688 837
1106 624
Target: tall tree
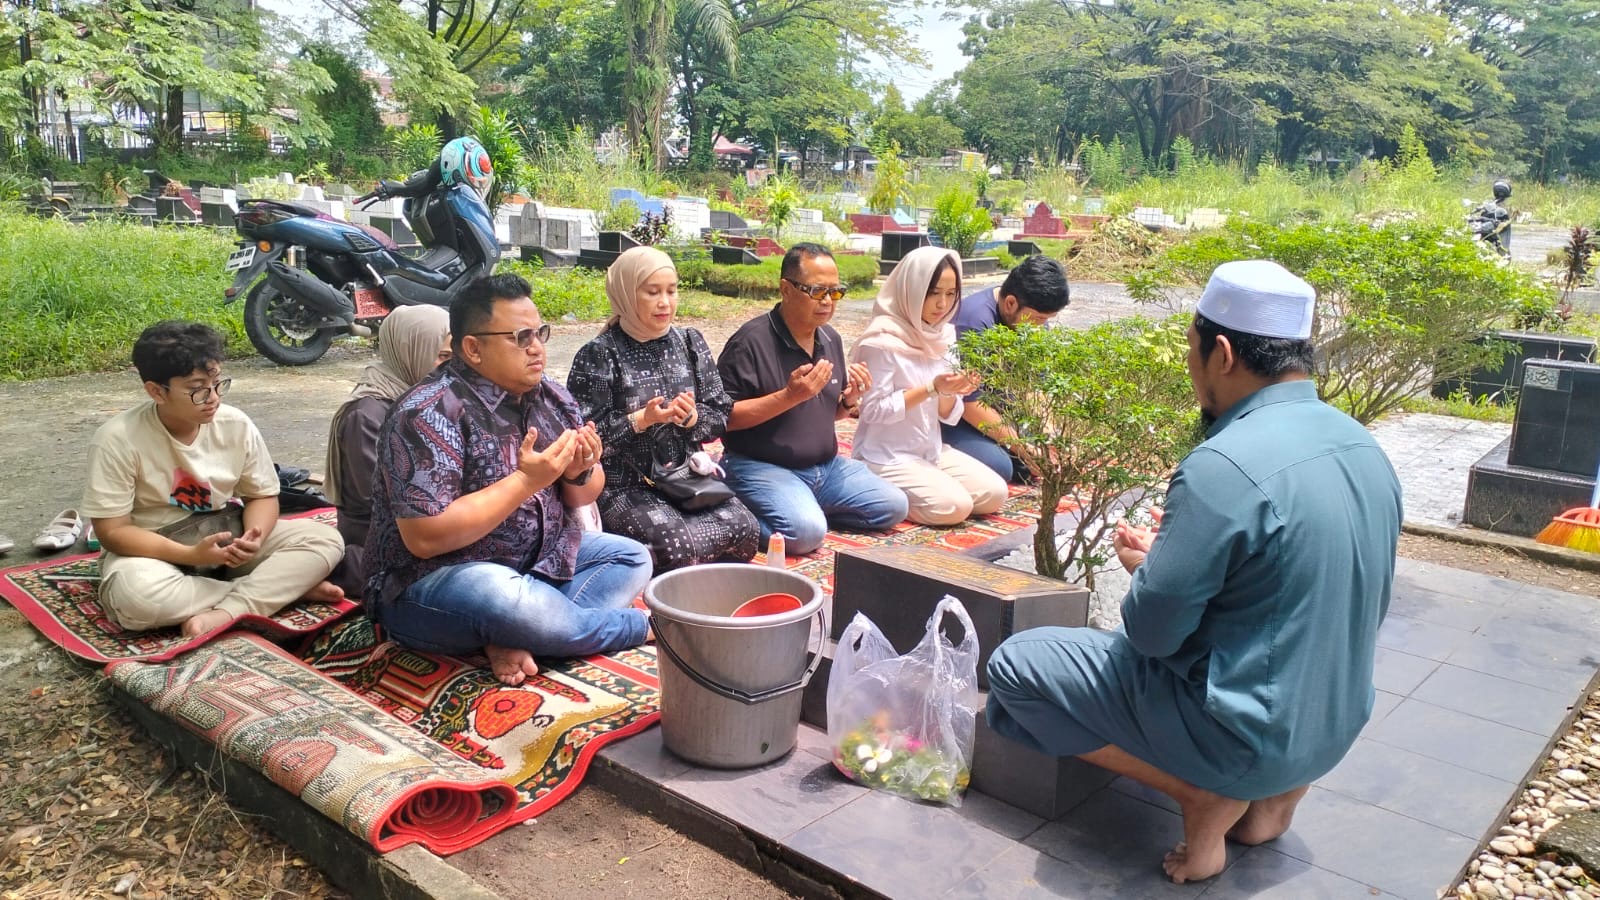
651 25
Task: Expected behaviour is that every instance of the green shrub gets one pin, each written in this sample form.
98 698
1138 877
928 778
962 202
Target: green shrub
1098 414
415 147
1003 257
760 282
580 293
74 297
1398 307
959 221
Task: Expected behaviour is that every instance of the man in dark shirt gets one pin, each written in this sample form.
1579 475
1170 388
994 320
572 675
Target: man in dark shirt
786 373
475 541
1034 291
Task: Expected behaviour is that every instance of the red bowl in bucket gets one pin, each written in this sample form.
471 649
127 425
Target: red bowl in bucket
767 605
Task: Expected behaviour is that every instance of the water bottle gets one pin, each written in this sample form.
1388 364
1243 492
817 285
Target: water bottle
775 553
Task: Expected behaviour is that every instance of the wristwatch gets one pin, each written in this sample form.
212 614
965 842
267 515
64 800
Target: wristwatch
581 480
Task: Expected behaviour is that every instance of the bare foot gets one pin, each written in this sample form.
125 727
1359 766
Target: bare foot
206 622
510 665
1203 852
1268 819
325 592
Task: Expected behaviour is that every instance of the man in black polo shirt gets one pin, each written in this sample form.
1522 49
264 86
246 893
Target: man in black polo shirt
786 373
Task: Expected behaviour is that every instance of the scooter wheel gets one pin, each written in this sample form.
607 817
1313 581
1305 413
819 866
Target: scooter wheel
282 328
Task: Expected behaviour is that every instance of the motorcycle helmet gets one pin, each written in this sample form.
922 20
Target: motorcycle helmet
464 161
1502 189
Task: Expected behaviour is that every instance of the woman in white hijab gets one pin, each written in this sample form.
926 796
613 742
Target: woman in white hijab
412 341
906 347
651 387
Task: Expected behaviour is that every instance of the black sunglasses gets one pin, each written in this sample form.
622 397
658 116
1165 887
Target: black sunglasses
523 336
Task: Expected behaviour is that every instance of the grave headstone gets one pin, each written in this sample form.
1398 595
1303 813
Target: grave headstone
722 220
617 241
896 244
310 193
1498 382
1206 217
689 216
1094 205
898 587
173 209
1149 216
1557 425
1019 249
759 244
1043 222
284 178
733 256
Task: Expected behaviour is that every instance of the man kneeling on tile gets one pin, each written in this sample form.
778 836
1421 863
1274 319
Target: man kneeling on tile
1244 670
177 460
482 466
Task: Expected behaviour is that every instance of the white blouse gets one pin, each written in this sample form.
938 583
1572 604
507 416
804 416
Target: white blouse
890 433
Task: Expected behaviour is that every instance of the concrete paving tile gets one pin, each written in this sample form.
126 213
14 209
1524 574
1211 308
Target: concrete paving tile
644 755
1383 703
1431 791
1265 874
998 816
1461 583
1023 873
1491 697
1416 602
1374 846
1400 673
815 741
899 848
1121 840
1525 655
774 800
1488 748
1577 612
1420 638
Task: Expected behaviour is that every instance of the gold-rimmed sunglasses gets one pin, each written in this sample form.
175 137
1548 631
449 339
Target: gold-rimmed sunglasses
818 291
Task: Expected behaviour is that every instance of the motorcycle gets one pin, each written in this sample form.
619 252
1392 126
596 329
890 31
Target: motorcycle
1491 224
307 277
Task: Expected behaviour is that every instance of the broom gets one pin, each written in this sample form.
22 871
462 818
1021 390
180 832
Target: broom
1578 529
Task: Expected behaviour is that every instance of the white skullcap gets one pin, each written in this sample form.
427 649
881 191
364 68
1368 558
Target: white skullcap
1257 296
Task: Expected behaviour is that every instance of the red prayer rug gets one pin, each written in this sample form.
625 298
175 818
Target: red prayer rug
396 746
60 597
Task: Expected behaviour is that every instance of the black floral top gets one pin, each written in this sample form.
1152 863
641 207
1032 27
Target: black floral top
613 375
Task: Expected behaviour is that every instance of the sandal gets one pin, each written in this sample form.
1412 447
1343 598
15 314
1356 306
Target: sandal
61 533
6 544
90 538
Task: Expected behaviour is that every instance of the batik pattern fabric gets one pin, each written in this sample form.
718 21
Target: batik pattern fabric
455 433
614 375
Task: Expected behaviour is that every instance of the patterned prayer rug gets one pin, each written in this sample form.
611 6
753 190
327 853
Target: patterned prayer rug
396 746
60 597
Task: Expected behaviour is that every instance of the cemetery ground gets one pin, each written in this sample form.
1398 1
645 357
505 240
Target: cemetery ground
88 800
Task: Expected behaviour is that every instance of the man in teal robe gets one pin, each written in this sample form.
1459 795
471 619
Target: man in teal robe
1244 668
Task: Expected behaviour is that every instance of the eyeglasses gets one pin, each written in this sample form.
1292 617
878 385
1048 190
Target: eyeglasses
200 395
523 336
818 291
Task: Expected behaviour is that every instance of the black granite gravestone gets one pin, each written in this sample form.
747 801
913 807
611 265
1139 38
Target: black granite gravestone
896 244
733 256
617 241
1019 249
898 588
1498 382
1558 418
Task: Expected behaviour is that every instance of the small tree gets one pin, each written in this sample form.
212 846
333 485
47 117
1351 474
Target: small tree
890 188
959 221
1398 308
782 200
1098 413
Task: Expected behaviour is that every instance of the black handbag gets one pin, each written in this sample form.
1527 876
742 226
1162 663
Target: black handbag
672 478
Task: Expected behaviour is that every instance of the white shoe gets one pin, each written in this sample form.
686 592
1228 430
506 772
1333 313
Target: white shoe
61 533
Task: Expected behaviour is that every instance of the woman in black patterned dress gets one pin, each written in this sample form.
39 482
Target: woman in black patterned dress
643 381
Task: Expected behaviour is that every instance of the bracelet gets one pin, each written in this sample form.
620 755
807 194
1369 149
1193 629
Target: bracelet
932 390
634 418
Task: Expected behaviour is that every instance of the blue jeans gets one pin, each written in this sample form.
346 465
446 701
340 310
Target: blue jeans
800 504
463 608
965 436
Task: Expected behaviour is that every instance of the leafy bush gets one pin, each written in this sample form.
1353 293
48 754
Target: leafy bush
1004 259
74 297
1101 414
415 147
622 216
580 293
1397 307
782 200
503 142
889 188
761 281
653 229
959 221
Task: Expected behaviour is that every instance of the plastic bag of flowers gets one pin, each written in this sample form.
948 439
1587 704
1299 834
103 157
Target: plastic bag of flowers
905 724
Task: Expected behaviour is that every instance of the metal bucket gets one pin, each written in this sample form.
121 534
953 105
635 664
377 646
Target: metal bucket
731 688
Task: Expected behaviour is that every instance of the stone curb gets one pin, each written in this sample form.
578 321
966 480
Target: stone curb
1561 556
409 873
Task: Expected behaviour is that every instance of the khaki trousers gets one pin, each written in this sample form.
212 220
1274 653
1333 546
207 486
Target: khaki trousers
947 492
140 593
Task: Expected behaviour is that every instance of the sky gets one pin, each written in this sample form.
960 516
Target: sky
938 37
940 40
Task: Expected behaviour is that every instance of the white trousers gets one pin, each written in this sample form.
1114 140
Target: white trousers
947 492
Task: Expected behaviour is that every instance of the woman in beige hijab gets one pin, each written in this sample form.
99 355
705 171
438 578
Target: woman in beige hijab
653 389
907 348
412 341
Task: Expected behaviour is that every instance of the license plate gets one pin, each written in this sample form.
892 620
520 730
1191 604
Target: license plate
241 259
